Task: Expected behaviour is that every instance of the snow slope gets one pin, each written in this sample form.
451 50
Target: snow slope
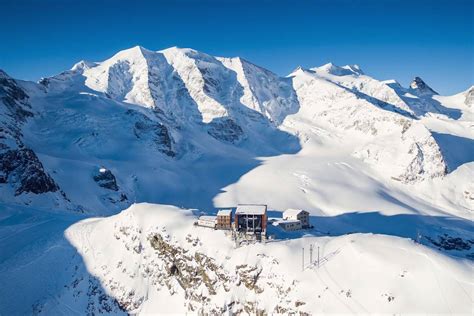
376 165
134 253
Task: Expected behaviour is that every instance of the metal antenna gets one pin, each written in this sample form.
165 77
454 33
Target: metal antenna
318 257
418 236
302 262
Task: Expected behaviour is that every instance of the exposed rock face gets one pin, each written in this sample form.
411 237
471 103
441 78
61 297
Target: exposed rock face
195 271
106 179
22 168
447 242
115 195
14 98
421 87
14 110
179 267
19 165
225 129
418 167
469 101
146 129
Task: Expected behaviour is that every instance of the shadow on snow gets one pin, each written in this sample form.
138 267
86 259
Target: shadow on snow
456 150
429 228
41 271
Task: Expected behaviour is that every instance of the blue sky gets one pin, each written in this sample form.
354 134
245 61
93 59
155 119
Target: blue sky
388 39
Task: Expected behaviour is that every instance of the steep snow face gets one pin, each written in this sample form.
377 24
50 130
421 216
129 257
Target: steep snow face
417 101
190 85
263 91
207 81
23 178
381 93
335 70
138 76
413 154
123 77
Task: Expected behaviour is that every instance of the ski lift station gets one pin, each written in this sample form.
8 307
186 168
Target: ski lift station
251 219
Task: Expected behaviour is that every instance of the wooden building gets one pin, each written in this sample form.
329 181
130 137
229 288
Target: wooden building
224 219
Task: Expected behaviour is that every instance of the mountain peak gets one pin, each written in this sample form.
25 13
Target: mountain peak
82 65
132 53
354 68
298 70
421 87
138 48
335 70
4 75
176 49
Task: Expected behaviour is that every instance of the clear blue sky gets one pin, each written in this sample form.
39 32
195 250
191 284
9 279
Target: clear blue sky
388 39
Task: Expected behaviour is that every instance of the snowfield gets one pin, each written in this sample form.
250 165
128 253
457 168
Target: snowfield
104 168
125 264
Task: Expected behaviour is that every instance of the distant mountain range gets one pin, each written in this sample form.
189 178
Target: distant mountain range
169 108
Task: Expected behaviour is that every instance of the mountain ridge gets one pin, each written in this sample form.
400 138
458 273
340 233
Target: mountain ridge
174 99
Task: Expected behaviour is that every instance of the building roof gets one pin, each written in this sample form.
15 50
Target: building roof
224 212
286 221
251 209
207 218
292 212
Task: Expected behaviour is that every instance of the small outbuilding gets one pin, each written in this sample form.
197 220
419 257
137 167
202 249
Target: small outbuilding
207 221
300 215
224 219
288 224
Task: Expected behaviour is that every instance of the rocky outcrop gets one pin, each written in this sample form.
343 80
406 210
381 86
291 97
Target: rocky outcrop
106 179
420 87
225 129
447 242
469 100
112 193
19 165
181 268
14 110
22 168
14 97
195 270
146 129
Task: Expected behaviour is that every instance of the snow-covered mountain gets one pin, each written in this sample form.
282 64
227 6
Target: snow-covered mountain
184 128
